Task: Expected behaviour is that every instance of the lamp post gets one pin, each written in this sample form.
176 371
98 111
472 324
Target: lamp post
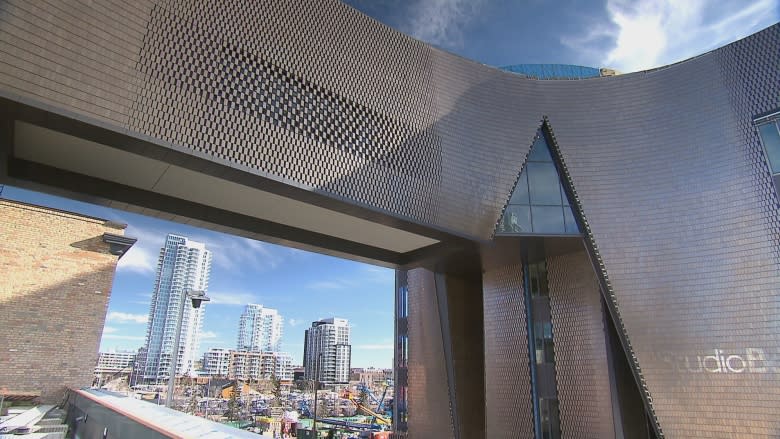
316 386
197 297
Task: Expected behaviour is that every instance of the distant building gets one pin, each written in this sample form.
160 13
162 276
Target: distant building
216 362
245 365
299 372
184 265
111 365
327 353
57 269
259 329
112 362
370 376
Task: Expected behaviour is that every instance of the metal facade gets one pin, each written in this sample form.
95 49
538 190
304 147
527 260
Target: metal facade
668 170
430 413
508 403
581 367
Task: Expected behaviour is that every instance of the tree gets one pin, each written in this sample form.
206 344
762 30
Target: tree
276 389
233 410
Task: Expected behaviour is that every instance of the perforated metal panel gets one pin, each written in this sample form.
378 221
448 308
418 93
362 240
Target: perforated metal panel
508 406
581 367
667 168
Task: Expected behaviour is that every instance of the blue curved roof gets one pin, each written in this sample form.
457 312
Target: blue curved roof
553 71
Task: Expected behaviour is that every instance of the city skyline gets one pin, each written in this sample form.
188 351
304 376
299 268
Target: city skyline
303 286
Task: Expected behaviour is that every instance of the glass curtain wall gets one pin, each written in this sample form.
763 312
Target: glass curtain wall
769 129
543 351
538 204
400 413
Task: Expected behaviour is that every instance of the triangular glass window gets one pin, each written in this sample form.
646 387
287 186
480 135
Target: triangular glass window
538 205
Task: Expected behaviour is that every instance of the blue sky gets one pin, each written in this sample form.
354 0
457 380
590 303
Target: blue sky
303 286
627 36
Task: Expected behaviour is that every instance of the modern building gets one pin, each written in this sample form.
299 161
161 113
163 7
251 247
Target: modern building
299 372
111 365
259 329
246 365
57 273
112 362
594 256
184 266
327 352
371 377
216 362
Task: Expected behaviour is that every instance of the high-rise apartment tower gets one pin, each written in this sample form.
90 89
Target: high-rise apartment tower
259 330
184 266
327 353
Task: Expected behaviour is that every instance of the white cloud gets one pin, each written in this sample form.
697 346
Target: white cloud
229 252
208 334
142 256
236 254
138 259
122 317
441 22
654 33
366 275
381 275
145 299
109 330
124 337
232 298
374 347
294 322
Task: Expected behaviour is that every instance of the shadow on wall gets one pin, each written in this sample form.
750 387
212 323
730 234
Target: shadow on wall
96 244
52 325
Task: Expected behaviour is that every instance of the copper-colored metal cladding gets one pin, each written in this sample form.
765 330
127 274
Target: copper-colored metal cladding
507 377
430 414
677 205
582 370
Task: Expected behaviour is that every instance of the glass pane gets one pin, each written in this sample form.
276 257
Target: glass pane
548 219
542 273
516 219
539 151
543 184
564 198
533 280
520 195
555 416
571 223
549 352
771 139
547 330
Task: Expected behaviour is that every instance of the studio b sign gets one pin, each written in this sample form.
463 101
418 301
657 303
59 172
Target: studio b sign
748 360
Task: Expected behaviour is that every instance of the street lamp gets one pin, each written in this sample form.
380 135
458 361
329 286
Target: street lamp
197 297
316 387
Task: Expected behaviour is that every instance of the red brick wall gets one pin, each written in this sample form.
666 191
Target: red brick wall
55 281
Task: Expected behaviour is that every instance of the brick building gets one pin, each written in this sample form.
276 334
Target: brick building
57 270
